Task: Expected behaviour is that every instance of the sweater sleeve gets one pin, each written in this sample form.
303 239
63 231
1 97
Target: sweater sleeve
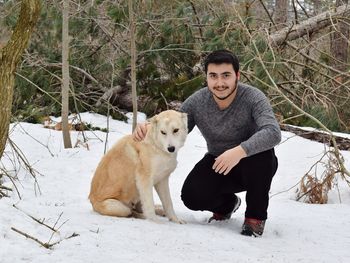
189 108
268 132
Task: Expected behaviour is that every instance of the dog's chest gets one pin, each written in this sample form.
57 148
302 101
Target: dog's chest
162 167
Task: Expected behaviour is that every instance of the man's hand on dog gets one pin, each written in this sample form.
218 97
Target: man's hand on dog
140 131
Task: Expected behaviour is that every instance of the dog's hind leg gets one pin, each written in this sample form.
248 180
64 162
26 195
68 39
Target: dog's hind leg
159 210
112 207
137 211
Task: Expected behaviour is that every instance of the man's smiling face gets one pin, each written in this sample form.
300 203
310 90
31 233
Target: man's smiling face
222 80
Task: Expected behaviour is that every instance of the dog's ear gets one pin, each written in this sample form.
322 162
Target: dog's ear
154 120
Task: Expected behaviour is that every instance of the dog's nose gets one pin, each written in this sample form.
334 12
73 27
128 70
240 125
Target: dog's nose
171 149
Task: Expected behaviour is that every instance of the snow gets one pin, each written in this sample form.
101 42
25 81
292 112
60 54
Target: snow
294 232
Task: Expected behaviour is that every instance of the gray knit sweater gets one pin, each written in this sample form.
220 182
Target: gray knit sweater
249 121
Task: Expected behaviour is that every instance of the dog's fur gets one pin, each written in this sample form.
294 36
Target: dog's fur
123 181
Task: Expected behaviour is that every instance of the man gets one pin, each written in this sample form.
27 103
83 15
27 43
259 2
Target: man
240 129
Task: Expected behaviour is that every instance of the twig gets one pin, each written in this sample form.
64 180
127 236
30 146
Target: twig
2 187
72 90
46 146
45 245
197 18
37 220
66 238
5 188
13 182
35 85
108 100
285 191
55 226
107 132
166 102
22 157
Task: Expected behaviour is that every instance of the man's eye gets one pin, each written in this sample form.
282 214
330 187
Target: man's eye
163 132
176 130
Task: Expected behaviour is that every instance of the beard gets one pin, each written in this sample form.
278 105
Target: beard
232 91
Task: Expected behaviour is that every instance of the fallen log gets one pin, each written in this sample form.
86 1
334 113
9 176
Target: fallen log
309 26
325 138
122 98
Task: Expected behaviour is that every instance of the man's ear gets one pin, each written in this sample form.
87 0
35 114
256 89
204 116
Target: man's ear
238 75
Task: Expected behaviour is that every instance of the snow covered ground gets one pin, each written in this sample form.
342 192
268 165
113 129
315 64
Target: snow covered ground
294 232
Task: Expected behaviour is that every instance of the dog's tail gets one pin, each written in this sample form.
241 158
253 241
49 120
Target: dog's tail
111 207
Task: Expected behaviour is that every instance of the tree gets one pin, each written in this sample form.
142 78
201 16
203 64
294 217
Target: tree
281 13
340 42
317 6
133 63
65 75
10 56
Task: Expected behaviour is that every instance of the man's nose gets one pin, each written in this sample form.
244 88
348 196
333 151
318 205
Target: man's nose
220 81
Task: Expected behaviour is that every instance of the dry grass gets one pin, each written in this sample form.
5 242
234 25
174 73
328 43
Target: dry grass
314 189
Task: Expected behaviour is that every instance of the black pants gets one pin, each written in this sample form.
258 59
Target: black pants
204 189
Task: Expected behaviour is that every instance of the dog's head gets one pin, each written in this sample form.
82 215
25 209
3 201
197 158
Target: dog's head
169 130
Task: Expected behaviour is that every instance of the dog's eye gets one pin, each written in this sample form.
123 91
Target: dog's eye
176 130
163 132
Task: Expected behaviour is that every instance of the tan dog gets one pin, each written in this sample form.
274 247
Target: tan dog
124 179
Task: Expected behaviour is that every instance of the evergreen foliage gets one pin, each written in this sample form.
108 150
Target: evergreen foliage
172 38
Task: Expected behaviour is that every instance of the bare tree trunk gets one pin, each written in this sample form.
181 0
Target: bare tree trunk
339 43
317 6
308 26
133 64
281 13
10 56
65 75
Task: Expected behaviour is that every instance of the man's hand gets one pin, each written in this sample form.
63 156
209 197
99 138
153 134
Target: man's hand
140 131
229 159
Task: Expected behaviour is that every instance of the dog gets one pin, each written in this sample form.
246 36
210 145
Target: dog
123 182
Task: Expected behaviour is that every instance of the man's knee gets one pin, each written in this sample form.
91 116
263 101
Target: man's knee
265 164
199 186
191 200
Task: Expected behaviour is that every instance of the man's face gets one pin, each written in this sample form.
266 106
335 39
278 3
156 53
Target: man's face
222 80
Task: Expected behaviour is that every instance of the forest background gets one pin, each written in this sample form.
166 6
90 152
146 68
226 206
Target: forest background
310 69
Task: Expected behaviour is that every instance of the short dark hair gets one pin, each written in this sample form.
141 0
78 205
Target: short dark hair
221 56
